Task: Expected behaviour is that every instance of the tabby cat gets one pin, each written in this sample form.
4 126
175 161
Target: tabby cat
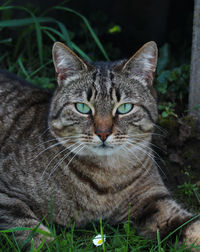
86 149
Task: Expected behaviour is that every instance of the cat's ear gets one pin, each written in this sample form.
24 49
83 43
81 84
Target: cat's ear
142 64
66 62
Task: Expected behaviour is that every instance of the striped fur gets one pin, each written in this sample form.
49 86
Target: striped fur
52 153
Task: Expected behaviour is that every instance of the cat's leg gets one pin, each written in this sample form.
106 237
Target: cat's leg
166 215
192 233
15 213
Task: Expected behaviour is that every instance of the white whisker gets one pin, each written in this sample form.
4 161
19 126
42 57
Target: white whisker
44 132
150 155
65 156
145 144
53 139
40 144
56 156
160 128
74 156
138 160
50 147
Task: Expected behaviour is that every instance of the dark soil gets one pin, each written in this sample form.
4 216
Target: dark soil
180 145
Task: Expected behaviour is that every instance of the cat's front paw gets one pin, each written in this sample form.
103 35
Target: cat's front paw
192 235
39 238
42 235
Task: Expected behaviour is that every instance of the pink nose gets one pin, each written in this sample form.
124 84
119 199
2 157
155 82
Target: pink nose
103 135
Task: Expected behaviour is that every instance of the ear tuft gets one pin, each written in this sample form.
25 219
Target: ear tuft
66 62
143 63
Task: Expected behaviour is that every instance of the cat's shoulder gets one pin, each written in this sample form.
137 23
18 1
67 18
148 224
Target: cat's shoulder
16 87
9 80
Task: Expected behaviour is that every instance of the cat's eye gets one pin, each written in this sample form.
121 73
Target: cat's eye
83 108
124 108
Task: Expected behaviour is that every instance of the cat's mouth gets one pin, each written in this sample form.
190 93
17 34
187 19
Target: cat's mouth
103 149
104 146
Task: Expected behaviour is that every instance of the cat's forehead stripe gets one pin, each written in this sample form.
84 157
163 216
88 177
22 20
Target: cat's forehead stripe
102 82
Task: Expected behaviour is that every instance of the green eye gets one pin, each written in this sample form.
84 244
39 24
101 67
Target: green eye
124 108
83 108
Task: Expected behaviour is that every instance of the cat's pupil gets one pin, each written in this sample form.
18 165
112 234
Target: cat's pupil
118 95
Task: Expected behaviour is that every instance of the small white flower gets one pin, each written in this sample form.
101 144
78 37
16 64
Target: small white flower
97 241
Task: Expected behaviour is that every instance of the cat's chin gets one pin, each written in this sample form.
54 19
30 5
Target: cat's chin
103 150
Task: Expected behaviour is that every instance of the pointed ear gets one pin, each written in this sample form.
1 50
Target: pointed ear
66 62
142 64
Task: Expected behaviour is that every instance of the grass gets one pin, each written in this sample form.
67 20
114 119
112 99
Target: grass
118 238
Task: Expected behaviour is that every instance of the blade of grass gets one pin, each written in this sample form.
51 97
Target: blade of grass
50 36
96 39
72 236
197 195
7 2
38 33
25 21
41 67
39 39
37 20
102 235
80 52
65 34
5 41
16 243
74 46
51 212
11 230
24 34
21 22
159 242
3 56
10 242
23 68
47 28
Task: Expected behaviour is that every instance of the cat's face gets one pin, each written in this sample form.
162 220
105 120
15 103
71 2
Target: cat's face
104 108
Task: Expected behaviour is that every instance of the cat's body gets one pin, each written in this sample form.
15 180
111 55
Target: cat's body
81 165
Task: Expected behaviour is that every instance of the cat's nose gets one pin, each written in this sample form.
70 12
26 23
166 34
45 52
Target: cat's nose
103 135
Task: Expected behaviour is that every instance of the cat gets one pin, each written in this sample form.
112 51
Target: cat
84 152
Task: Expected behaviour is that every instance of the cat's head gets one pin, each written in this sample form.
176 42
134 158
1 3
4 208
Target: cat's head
106 107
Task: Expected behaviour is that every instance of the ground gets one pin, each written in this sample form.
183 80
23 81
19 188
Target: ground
179 145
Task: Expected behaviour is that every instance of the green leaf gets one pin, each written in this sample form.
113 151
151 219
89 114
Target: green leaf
162 82
161 107
196 107
164 114
114 29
